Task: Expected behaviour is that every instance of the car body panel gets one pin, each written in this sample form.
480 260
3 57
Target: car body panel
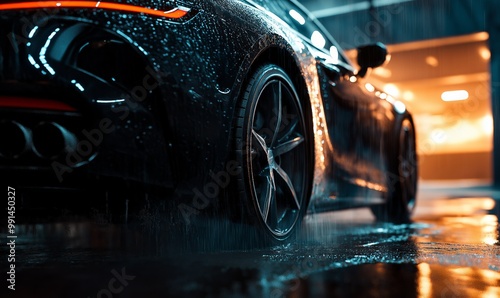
171 95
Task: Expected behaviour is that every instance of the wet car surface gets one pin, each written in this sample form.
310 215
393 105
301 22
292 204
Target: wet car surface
449 250
247 108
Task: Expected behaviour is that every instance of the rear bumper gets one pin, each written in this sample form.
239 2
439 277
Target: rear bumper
49 148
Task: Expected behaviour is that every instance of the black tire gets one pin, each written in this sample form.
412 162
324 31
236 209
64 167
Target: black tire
273 145
402 178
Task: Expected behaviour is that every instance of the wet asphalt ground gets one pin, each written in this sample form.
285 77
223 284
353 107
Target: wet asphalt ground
450 250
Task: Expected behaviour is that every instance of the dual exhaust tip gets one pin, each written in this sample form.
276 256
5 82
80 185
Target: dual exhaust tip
47 140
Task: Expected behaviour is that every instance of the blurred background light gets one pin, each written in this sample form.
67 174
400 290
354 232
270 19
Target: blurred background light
318 40
455 95
297 16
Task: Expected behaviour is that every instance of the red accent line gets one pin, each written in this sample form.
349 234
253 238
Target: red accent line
175 13
34 103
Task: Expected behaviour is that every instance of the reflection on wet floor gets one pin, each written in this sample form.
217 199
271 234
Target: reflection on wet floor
450 250
457 281
399 280
454 207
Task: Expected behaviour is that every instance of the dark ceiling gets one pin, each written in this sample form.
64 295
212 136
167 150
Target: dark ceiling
353 23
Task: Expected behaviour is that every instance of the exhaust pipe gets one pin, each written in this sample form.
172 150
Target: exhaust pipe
51 140
16 139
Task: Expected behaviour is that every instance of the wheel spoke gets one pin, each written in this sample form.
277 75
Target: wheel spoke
260 140
265 172
289 130
289 184
288 145
269 196
277 110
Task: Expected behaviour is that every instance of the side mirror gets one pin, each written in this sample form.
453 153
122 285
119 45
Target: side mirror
371 56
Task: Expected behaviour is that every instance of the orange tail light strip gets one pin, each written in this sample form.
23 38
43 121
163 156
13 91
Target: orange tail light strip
34 103
175 13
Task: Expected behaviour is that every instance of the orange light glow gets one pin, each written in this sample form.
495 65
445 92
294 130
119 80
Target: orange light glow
175 13
408 95
382 72
485 53
432 61
424 280
369 87
392 90
455 95
460 136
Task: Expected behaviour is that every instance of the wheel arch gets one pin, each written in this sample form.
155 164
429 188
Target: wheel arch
274 49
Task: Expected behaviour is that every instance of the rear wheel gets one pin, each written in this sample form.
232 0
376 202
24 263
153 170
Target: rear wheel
402 179
273 146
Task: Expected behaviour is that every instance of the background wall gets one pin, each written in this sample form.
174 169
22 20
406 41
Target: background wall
436 46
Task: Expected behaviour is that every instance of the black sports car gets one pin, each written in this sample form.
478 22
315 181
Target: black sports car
247 106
